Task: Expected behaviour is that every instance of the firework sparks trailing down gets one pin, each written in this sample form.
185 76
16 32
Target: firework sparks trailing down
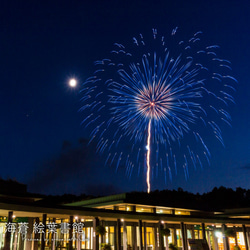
151 103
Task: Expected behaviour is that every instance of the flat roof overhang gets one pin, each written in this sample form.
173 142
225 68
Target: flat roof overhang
24 210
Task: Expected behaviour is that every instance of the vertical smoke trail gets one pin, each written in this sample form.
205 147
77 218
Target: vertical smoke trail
148 155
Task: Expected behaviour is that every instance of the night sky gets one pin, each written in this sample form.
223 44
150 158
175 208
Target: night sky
45 43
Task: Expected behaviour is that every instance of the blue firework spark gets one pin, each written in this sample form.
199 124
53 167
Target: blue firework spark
146 101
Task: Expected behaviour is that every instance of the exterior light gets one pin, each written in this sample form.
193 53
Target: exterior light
76 217
218 234
162 222
122 220
13 216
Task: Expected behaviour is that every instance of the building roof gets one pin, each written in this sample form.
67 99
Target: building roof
22 207
102 201
169 199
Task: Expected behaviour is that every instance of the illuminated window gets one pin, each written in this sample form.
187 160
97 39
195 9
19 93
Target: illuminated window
111 236
179 237
163 211
178 212
109 207
129 236
189 234
150 237
171 237
240 238
130 208
144 209
122 208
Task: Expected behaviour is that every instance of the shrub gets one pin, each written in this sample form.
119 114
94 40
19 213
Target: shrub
236 248
165 231
172 246
100 230
229 232
106 246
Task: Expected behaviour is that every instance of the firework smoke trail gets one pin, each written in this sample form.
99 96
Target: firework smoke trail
169 100
148 156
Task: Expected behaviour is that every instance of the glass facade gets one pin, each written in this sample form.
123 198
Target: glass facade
129 233
139 224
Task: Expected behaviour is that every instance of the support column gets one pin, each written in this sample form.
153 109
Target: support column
140 235
21 241
215 240
44 235
166 237
134 243
14 244
225 239
37 235
245 236
26 239
95 237
208 239
124 236
203 231
71 232
53 238
29 242
8 233
161 245
155 237
235 238
102 236
184 236
175 237
193 234
145 236
118 235
248 236
80 237
115 237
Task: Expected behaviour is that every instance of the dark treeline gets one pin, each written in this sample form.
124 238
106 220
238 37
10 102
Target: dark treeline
215 200
218 199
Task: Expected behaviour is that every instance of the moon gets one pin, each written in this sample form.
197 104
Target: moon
72 83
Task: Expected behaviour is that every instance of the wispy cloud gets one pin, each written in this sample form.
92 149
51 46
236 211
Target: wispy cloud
246 166
76 169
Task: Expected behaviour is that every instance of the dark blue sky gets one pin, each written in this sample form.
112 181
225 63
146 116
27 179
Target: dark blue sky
44 43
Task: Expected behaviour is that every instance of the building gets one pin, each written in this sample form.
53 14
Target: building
129 222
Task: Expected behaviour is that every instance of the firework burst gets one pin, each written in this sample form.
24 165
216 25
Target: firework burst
152 99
